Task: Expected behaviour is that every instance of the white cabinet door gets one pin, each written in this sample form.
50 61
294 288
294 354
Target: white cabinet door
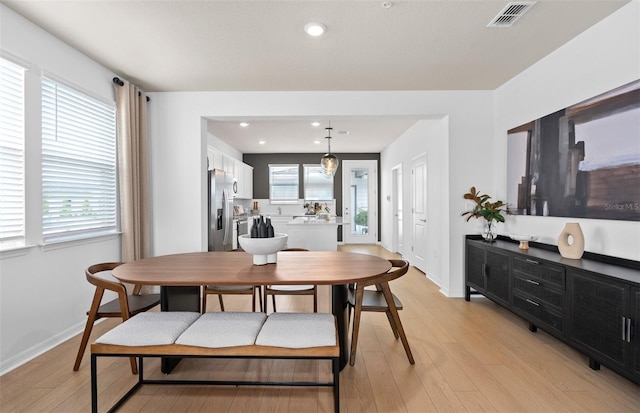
247 184
244 179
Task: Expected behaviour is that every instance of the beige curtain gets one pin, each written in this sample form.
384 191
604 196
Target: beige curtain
133 164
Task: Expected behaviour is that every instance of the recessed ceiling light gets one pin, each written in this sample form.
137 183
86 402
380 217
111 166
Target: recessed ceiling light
315 29
244 124
316 142
262 142
315 124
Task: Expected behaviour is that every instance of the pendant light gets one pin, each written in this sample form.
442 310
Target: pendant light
329 161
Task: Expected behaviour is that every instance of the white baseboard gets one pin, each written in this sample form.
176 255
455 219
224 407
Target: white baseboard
29 354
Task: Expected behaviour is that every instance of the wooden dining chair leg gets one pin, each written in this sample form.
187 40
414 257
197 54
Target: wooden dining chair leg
91 319
259 288
396 317
221 302
203 307
253 299
356 326
392 323
315 298
273 301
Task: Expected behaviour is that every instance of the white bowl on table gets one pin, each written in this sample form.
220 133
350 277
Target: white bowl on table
524 239
264 250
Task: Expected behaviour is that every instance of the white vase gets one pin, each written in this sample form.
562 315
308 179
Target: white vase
575 249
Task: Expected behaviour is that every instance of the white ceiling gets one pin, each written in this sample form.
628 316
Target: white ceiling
352 135
232 45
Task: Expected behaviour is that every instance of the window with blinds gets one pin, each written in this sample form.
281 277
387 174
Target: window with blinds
12 195
78 163
283 183
317 186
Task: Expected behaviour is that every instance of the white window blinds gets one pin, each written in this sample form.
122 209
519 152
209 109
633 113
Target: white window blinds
12 197
317 186
283 182
78 163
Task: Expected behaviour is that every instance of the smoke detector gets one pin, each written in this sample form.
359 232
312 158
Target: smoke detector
511 13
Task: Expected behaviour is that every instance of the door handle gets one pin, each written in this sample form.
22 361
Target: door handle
624 329
423 220
628 330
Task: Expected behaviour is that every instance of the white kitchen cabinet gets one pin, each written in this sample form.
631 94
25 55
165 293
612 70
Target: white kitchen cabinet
216 159
244 180
319 236
241 172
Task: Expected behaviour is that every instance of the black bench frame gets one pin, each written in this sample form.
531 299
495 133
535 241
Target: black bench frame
142 381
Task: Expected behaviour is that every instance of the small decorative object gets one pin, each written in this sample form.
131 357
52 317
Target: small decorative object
310 209
264 250
575 248
524 240
491 211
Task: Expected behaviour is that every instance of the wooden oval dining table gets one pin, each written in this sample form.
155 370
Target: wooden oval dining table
180 277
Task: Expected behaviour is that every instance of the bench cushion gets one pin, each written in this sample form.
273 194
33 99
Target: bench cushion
223 329
150 329
298 330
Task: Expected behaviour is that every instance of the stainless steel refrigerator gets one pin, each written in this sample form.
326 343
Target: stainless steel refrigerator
220 200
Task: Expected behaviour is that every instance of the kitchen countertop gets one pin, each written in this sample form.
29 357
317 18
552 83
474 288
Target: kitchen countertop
312 220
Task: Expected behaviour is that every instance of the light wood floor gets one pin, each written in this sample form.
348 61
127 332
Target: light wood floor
470 357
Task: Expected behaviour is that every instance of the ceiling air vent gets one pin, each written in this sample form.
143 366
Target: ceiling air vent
512 12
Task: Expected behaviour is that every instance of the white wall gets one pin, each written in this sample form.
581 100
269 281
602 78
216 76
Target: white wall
602 58
179 187
430 137
44 294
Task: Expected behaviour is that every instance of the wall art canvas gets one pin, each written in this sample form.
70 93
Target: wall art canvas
582 161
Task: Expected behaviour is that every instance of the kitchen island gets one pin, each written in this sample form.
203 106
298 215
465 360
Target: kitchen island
313 233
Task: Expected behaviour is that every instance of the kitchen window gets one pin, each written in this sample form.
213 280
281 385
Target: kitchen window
12 188
283 183
317 186
78 164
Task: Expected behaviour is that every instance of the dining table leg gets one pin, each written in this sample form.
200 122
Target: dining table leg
177 299
340 309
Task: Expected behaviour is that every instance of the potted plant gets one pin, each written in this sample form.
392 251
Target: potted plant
491 211
362 218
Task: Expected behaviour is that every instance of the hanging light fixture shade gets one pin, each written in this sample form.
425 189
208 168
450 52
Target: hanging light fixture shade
329 161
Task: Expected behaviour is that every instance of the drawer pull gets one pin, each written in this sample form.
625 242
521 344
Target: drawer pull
532 282
532 302
532 261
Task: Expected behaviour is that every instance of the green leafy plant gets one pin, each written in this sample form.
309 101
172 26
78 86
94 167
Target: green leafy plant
491 211
362 218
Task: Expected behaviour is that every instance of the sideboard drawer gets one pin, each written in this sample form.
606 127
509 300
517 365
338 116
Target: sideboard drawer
544 272
538 291
545 315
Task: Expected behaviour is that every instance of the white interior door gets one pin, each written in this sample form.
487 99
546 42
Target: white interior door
419 211
396 208
360 202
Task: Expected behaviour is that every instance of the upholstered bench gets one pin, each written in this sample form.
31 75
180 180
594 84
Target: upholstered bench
220 334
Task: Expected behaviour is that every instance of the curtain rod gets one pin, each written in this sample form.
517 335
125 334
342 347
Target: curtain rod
119 82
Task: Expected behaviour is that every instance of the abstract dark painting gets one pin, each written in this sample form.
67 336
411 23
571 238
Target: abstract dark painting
582 161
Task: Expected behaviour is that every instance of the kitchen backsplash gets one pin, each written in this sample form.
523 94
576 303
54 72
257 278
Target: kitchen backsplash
290 209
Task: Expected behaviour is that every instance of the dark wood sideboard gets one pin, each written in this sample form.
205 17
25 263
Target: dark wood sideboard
592 304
